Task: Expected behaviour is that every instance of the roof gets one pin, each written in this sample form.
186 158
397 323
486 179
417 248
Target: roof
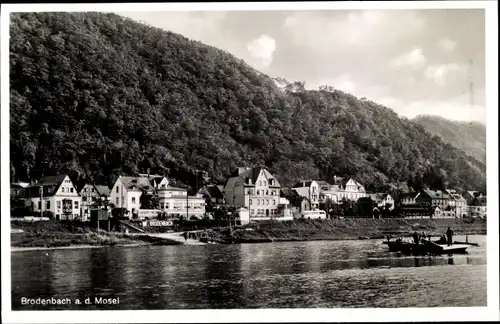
322 183
303 183
102 190
17 185
140 183
411 195
253 174
213 191
377 196
474 193
454 194
287 192
50 185
437 194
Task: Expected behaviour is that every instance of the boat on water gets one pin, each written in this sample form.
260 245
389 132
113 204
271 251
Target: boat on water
425 247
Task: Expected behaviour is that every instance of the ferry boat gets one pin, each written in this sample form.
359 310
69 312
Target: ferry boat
425 247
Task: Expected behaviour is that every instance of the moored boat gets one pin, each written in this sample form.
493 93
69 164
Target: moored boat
425 247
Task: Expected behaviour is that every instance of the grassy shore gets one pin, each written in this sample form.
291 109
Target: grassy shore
54 234
351 228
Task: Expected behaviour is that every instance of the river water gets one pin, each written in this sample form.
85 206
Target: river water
324 274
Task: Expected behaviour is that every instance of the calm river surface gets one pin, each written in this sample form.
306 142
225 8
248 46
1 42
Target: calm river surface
322 274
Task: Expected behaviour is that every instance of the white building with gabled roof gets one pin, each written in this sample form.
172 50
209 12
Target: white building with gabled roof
256 189
172 201
56 194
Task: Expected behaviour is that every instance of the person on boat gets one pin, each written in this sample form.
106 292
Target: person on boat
415 237
185 236
449 236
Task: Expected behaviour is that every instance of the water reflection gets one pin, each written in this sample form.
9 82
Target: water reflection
274 275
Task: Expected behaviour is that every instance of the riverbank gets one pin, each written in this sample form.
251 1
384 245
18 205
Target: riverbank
349 229
52 234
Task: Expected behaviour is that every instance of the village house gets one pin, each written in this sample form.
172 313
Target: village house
408 198
476 202
328 192
458 203
56 194
414 204
256 189
442 200
92 195
293 203
18 194
213 192
308 189
382 200
352 190
127 191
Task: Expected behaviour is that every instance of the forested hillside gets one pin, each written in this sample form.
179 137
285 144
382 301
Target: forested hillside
470 137
96 95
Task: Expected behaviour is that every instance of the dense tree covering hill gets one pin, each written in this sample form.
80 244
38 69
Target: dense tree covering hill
470 137
95 95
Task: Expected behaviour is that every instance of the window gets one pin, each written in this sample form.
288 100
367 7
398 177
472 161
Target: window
62 189
258 192
40 205
84 198
47 205
274 202
267 201
76 204
258 201
133 200
250 201
117 189
117 201
265 184
260 183
58 204
162 205
71 189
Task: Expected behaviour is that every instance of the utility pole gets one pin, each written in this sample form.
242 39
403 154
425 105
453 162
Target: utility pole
187 202
41 195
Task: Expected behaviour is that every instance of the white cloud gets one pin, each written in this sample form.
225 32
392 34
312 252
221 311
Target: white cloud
447 44
441 73
415 59
358 28
261 50
455 109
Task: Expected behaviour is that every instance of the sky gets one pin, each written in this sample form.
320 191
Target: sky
412 61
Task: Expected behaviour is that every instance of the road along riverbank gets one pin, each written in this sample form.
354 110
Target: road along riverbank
346 229
52 234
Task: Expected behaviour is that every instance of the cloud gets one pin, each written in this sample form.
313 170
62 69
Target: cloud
441 73
261 49
360 28
457 108
415 59
447 44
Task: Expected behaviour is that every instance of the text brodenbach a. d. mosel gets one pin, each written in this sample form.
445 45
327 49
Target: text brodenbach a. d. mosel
68 301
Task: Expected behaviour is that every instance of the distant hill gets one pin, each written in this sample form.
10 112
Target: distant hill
470 137
96 95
